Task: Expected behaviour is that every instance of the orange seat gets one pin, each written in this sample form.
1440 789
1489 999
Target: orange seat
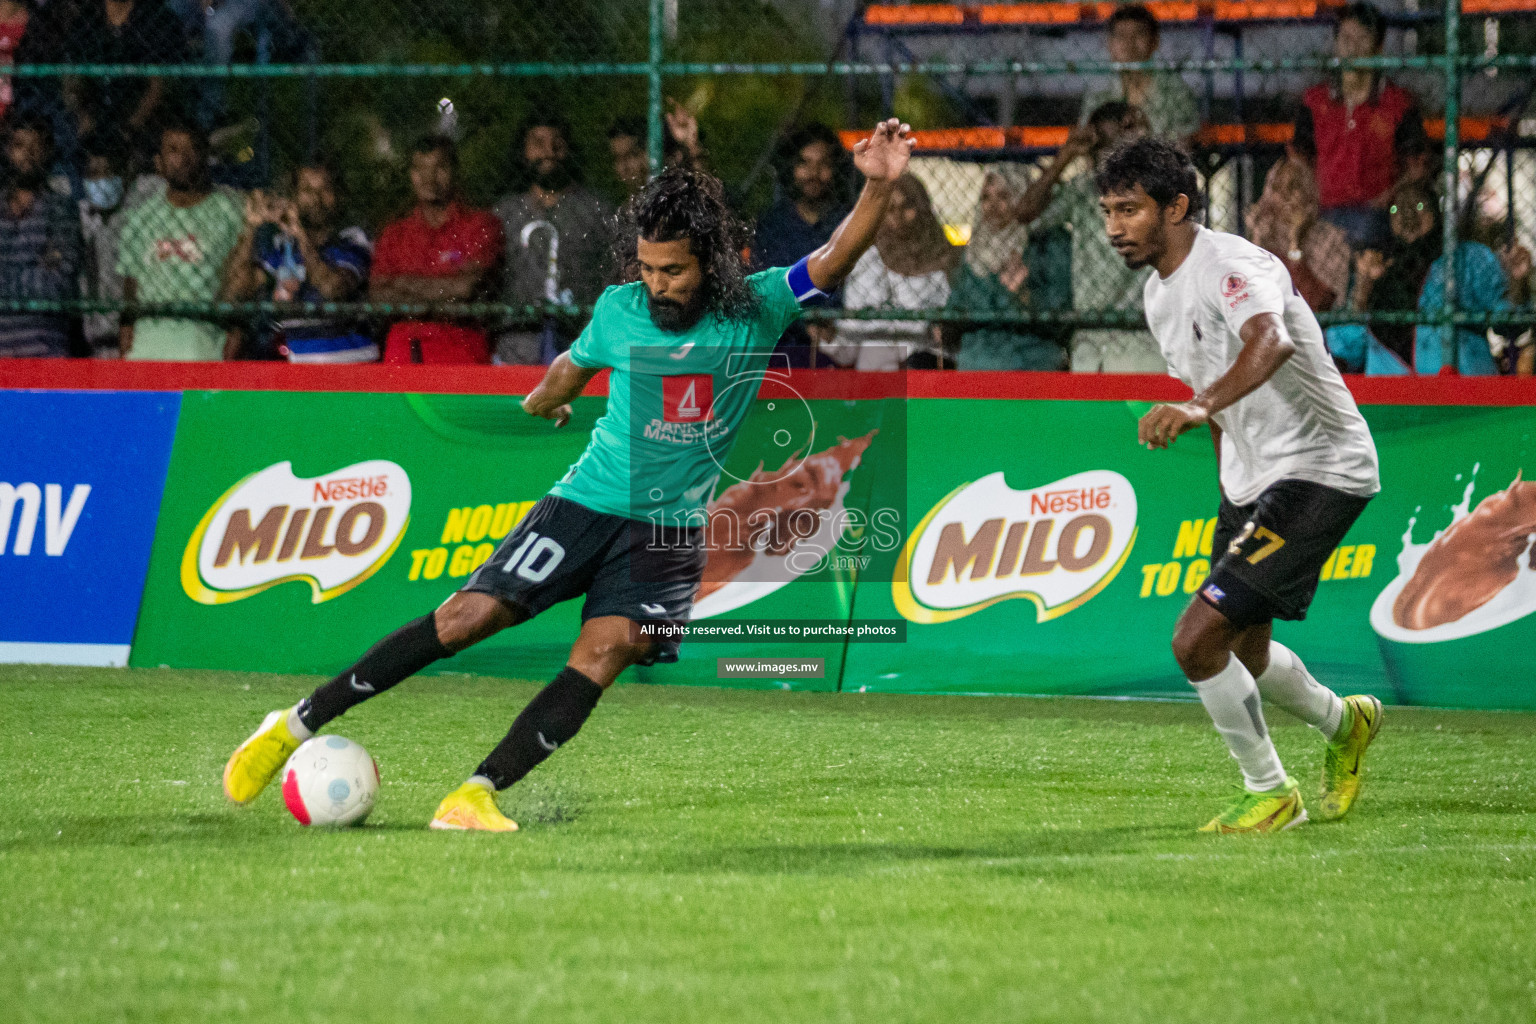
914 14
1028 14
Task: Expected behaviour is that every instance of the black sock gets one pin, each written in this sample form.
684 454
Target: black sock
403 653
550 719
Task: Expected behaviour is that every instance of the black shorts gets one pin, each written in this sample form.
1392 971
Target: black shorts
1269 553
625 567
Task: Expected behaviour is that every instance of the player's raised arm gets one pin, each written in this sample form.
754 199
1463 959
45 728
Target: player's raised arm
1266 347
562 382
881 158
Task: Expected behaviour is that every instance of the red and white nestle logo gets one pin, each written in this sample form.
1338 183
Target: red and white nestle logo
689 398
1232 284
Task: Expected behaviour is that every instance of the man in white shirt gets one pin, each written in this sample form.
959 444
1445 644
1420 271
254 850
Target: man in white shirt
1297 467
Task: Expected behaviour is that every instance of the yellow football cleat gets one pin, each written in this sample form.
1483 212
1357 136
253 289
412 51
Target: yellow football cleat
1272 811
472 808
257 761
1344 762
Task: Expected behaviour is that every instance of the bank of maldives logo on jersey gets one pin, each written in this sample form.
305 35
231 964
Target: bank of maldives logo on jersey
688 398
1057 545
331 531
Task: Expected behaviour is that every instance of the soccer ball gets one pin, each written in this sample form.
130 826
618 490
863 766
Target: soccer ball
330 780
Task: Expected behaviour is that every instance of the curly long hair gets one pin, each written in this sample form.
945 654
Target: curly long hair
684 203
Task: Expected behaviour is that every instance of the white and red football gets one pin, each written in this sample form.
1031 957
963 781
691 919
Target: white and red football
330 781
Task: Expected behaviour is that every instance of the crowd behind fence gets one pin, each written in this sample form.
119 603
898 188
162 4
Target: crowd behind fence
260 179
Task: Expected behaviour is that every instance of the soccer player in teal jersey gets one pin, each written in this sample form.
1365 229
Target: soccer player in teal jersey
623 526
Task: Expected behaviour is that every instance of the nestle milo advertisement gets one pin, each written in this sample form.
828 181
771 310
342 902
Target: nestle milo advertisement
299 528
1050 554
917 546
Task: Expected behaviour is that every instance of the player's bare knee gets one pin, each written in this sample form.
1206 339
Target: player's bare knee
1200 650
603 658
467 618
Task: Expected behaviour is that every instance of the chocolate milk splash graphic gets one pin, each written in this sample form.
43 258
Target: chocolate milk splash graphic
1472 561
755 525
1476 575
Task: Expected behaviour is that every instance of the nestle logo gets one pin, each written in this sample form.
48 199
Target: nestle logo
1057 502
348 488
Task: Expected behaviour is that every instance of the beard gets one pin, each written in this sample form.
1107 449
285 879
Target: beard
1151 252
551 176
676 317
1136 262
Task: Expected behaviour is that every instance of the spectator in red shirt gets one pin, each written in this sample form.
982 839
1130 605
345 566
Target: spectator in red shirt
1363 135
442 251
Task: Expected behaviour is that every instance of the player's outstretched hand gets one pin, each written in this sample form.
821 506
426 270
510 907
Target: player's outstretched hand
1159 427
884 155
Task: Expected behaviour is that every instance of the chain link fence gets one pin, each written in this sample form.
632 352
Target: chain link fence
267 178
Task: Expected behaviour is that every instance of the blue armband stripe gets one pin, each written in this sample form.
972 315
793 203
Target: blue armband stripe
799 278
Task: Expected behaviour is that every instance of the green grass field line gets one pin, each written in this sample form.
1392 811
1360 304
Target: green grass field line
723 855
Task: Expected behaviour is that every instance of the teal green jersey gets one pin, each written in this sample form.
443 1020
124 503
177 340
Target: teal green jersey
675 400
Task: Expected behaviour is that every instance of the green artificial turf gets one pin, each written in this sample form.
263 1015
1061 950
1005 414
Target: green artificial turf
704 855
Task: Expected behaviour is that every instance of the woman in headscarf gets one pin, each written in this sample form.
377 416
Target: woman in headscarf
907 268
1285 221
1002 273
1412 276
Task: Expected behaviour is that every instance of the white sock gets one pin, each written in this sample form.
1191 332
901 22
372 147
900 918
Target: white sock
296 725
1288 684
1231 698
481 780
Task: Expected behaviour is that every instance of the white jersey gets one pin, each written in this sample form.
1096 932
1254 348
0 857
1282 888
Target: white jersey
1302 423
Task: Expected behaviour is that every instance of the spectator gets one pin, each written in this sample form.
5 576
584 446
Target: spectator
1101 282
14 16
628 143
173 249
801 221
442 251
121 32
1486 282
1416 242
558 239
298 251
907 268
39 245
996 276
104 169
1363 135
1161 95
1285 221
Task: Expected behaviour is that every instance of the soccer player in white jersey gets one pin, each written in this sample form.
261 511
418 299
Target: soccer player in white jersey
1296 462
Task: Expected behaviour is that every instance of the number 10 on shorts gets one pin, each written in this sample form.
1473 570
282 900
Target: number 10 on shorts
535 558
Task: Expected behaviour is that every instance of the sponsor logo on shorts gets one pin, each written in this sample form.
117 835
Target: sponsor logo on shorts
1057 545
331 531
1213 593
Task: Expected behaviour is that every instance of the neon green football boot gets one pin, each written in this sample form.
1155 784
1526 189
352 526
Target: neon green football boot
1344 762
257 761
1272 811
